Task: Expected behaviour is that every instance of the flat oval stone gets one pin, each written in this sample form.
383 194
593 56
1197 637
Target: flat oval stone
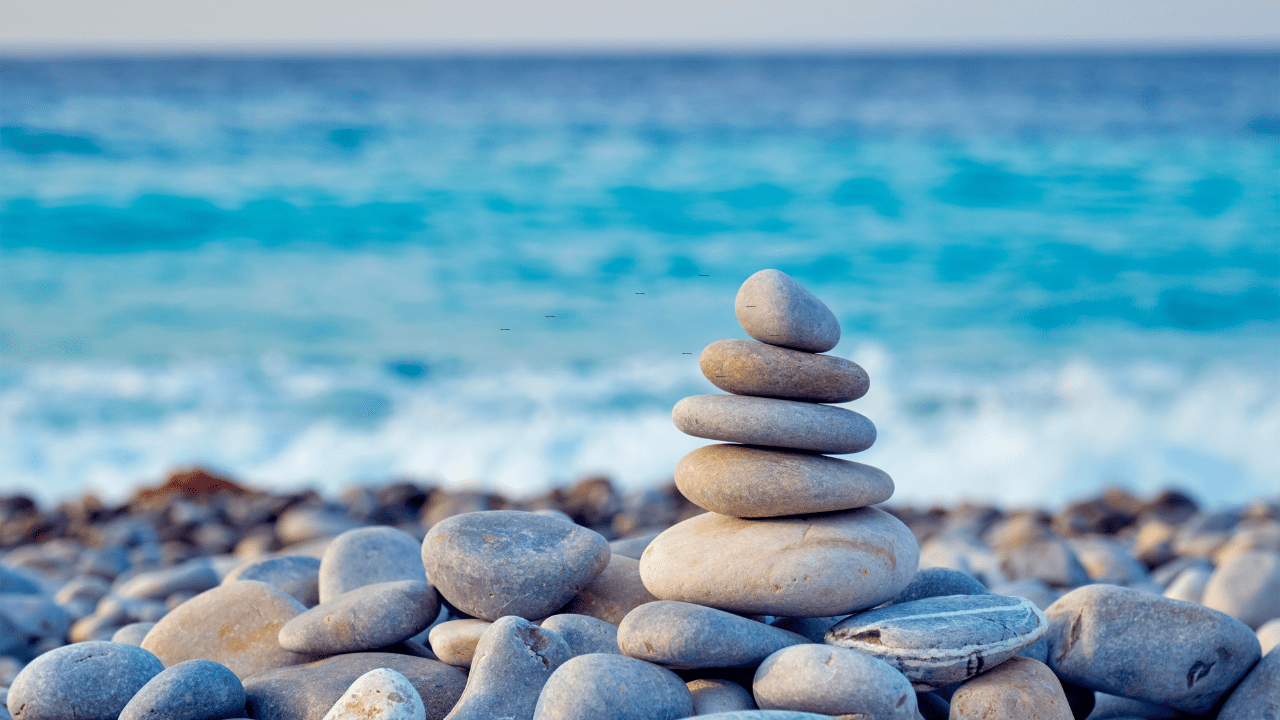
366 618
711 695
1257 697
938 582
1016 688
743 367
87 681
513 661
684 636
1146 647
191 690
584 634
774 423
192 576
298 575
454 641
942 640
773 308
801 566
380 694
616 591
1246 586
746 481
308 692
505 562
236 625
602 686
368 556
833 681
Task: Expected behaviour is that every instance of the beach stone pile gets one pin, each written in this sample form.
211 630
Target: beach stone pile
764 584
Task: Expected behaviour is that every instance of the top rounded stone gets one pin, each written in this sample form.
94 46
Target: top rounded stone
775 309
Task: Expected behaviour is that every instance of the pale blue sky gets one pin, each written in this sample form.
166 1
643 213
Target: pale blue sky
450 25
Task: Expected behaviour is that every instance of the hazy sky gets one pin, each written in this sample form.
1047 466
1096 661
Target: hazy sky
445 25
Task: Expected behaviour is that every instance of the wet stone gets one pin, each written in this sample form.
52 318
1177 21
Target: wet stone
513 661
308 692
711 695
683 635
1149 648
746 481
743 367
584 634
380 694
1016 689
774 423
504 562
775 309
454 641
367 556
191 690
365 618
604 686
942 640
87 681
833 681
616 591
297 575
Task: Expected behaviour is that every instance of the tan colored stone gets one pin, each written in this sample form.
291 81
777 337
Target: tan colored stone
1017 689
743 367
1246 587
774 423
237 625
773 308
615 592
454 641
747 481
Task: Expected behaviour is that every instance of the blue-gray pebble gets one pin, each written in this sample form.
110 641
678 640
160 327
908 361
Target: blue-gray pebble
584 634
87 681
684 636
365 618
366 556
603 686
939 582
191 690
1257 697
132 633
298 575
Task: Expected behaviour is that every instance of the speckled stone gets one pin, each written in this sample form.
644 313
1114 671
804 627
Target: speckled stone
712 695
236 625
942 640
616 591
603 686
747 481
191 690
682 635
833 681
584 634
87 681
773 308
504 562
1016 689
774 423
801 566
513 661
368 556
454 641
298 575
743 367
380 694
939 582
133 633
308 692
1257 697
1246 586
366 618
1150 648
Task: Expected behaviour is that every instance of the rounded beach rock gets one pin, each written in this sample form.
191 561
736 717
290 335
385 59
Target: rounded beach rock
308 692
1246 586
602 686
505 562
939 582
743 367
1016 689
773 308
1146 647
366 618
833 681
191 690
942 640
87 681
368 556
616 591
133 633
1257 697
380 694
584 634
711 695
236 625
801 566
298 575
746 481
774 423
513 661
454 641
684 636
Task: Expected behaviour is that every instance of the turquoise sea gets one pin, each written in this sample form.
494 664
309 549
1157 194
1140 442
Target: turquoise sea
1060 271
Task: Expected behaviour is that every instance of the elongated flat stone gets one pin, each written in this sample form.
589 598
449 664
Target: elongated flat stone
833 681
799 566
366 618
683 636
942 640
743 367
1146 647
748 481
773 308
774 423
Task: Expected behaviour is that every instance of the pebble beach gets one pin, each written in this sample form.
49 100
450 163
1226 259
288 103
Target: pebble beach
770 579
